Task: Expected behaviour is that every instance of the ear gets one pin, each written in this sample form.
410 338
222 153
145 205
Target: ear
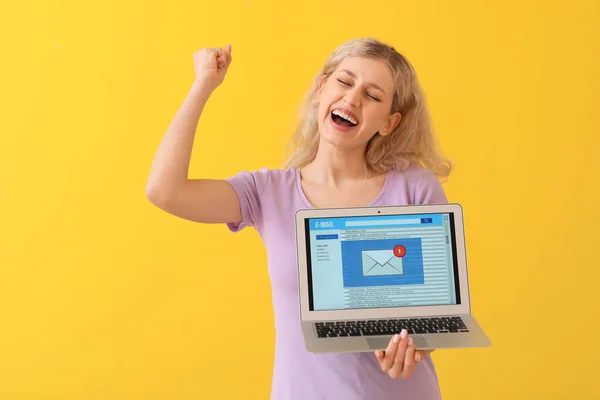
391 124
320 84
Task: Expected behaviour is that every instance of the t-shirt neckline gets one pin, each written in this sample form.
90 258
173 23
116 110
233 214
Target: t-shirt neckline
373 202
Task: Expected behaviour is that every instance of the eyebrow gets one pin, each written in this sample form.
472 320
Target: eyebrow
353 75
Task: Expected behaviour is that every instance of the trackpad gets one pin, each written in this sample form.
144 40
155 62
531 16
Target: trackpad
381 343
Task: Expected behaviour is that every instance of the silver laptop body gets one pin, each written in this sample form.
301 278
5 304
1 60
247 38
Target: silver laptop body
365 273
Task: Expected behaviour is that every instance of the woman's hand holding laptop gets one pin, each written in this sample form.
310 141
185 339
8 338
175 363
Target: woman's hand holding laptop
400 357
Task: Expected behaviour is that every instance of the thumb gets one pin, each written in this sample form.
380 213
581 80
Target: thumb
227 55
419 355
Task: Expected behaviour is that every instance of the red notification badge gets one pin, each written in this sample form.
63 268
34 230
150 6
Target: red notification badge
399 251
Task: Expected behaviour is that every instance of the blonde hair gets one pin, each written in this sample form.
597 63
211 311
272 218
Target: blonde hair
411 143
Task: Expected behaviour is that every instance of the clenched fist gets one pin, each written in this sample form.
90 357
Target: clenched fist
210 66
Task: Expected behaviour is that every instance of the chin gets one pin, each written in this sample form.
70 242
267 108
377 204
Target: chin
338 140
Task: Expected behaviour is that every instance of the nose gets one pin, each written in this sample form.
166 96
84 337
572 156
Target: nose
352 97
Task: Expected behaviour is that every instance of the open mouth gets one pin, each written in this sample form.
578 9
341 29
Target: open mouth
343 119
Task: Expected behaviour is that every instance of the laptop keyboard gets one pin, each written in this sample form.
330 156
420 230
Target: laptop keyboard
390 326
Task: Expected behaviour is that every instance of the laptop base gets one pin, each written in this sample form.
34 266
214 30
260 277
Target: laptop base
475 337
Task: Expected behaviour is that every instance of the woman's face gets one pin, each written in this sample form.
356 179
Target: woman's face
355 101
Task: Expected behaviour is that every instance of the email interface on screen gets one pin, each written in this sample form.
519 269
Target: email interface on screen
382 261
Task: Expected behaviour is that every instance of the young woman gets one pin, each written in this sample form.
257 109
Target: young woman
364 139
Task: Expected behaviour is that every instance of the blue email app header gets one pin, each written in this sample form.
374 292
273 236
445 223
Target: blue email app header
377 221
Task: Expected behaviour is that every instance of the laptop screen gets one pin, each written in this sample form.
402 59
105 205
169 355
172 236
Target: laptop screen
382 261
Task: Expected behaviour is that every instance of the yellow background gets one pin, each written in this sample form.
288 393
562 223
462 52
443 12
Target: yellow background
103 296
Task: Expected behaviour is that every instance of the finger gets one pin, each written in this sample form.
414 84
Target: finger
227 61
213 58
222 62
390 353
409 359
214 52
419 355
379 356
398 365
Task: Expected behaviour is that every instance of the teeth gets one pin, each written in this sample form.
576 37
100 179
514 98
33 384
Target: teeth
342 114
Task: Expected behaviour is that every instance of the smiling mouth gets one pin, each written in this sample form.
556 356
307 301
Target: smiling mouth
341 120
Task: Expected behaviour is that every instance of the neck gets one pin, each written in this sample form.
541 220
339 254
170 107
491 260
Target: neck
334 166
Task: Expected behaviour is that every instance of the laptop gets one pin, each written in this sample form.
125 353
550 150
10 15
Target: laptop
366 273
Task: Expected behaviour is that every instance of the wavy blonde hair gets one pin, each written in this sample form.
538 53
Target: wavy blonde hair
411 143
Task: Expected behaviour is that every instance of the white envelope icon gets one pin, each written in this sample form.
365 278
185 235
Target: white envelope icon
381 262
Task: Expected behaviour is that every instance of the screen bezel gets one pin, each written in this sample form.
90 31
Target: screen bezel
459 256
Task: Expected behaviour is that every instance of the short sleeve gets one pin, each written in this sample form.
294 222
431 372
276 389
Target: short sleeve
248 187
428 189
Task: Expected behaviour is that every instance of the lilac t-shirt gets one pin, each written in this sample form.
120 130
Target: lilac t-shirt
269 200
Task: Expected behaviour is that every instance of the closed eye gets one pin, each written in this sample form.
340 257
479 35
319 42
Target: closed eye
347 84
